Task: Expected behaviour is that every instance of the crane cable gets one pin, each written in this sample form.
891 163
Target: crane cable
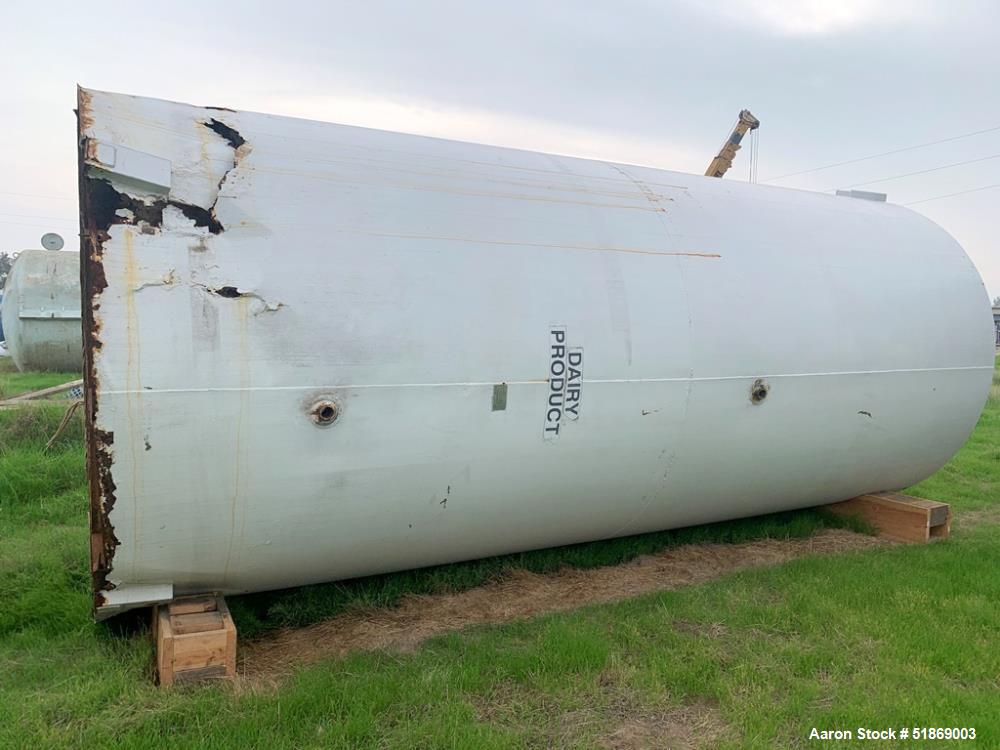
752 161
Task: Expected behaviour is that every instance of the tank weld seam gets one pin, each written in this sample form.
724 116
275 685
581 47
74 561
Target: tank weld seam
591 381
519 243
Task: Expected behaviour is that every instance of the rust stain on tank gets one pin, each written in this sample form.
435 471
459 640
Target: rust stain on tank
242 312
84 110
133 397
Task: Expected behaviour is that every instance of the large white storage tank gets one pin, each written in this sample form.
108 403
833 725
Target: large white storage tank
318 352
41 311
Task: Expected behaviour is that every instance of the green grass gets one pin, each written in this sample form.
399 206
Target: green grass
973 482
13 383
888 637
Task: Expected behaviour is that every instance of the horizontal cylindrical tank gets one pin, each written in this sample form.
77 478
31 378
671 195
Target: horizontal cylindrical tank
41 311
319 352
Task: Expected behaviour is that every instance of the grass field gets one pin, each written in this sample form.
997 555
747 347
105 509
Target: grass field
895 636
13 383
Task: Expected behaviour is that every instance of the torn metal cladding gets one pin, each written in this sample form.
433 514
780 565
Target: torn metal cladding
111 206
108 206
437 303
200 216
232 136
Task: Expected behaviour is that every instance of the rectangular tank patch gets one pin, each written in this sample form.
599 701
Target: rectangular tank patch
500 397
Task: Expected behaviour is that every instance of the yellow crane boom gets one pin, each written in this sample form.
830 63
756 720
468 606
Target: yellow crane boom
724 160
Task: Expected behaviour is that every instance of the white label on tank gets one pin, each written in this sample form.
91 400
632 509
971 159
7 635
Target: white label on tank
565 379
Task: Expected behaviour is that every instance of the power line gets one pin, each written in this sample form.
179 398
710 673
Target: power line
37 195
25 224
952 195
45 218
911 174
884 153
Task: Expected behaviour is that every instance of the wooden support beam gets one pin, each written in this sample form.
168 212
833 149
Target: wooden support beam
43 393
195 640
897 516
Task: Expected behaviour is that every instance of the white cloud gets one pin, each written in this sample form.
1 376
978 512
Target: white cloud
493 128
815 17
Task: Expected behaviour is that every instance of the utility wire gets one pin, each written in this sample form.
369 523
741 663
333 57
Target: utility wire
884 153
37 195
911 174
25 224
951 195
45 218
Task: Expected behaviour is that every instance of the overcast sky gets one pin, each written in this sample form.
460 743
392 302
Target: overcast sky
651 82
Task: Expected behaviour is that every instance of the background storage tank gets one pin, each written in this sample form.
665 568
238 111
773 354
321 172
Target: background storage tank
41 311
318 352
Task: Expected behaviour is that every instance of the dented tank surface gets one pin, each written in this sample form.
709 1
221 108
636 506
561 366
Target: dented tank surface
316 352
41 311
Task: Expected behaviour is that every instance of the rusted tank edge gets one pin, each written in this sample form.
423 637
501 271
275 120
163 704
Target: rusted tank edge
102 205
101 486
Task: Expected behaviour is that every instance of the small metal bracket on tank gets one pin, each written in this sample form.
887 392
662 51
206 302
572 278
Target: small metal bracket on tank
865 195
129 163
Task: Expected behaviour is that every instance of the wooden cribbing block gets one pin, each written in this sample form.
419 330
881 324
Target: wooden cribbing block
899 517
195 640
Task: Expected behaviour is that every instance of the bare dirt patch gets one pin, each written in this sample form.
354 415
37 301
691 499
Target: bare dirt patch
615 718
969 519
522 595
684 727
